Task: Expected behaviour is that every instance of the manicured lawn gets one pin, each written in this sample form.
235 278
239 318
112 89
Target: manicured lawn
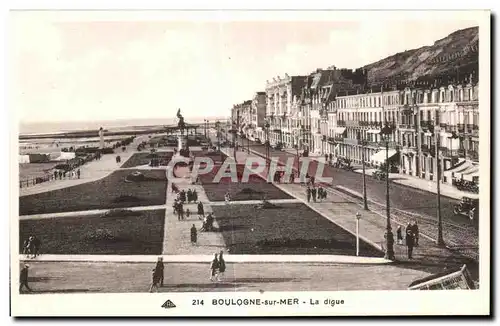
95 234
139 159
216 192
109 192
288 229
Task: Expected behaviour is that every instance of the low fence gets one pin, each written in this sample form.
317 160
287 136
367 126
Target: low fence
35 180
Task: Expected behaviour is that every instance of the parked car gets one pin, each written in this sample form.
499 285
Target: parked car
468 207
278 146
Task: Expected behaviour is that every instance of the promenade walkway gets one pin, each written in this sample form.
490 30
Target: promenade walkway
177 236
91 171
406 180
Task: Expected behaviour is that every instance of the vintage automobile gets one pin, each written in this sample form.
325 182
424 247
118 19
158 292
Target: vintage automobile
468 207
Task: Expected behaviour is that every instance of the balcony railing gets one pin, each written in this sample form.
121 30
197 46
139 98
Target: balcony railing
364 123
341 123
473 155
338 139
406 126
352 123
425 124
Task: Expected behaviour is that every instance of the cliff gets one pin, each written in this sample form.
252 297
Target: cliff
453 58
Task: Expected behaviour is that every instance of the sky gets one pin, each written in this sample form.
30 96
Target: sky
103 69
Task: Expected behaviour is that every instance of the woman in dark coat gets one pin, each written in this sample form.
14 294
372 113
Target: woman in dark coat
159 270
214 268
222 266
201 211
194 235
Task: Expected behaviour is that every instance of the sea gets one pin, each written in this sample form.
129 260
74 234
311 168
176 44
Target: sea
54 144
112 125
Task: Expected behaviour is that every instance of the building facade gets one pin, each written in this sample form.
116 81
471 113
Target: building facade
282 108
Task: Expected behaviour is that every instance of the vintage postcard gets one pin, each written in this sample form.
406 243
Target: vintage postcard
250 163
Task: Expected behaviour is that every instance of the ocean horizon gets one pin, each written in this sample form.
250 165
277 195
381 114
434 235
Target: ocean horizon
29 128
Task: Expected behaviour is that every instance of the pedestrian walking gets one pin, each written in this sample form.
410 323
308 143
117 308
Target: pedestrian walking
55 174
189 196
399 235
410 242
160 270
78 172
227 198
201 211
222 267
188 212
60 174
320 193
194 235
195 196
308 191
181 211
35 247
214 268
415 232
313 193
23 278
154 282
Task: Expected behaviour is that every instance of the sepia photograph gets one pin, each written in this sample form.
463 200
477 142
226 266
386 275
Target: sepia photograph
287 163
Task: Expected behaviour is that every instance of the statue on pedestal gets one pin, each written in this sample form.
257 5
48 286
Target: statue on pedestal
183 149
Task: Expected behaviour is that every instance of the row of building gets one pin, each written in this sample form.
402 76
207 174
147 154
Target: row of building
332 111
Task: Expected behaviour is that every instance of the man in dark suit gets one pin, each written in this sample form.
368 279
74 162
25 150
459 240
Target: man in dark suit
410 240
23 279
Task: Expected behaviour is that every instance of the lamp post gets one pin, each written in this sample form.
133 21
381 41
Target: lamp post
358 217
266 127
206 127
436 132
365 199
389 254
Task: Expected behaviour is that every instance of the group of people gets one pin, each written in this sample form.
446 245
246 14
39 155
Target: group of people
411 235
217 270
31 246
62 174
315 193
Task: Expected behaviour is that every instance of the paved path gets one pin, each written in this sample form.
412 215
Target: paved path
177 237
192 207
207 258
91 171
85 277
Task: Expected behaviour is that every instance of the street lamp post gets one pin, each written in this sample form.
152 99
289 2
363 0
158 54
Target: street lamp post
440 240
266 126
365 199
389 254
358 217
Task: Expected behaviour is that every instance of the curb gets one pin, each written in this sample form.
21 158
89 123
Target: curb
206 259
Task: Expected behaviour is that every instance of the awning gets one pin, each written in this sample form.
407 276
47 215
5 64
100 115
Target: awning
471 175
380 156
339 130
373 131
461 167
467 172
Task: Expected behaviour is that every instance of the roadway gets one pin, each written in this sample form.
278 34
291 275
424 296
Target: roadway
421 203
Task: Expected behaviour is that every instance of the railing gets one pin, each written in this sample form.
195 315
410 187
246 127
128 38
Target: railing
339 139
352 123
406 126
341 123
461 127
461 152
364 123
425 124
443 125
450 128
35 180
376 124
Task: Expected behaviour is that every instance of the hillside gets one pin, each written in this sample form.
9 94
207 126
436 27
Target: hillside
455 54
